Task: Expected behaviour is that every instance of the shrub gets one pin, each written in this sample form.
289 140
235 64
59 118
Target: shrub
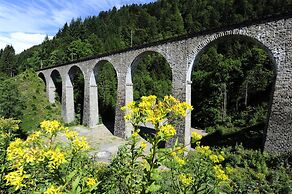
39 164
162 169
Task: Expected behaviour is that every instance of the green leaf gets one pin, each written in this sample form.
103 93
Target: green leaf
75 183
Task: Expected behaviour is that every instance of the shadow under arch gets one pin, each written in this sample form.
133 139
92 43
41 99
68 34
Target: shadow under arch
77 79
42 76
57 80
243 136
149 74
105 76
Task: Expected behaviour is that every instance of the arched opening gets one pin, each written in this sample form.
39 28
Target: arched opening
233 81
42 76
57 79
150 74
107 82
77 80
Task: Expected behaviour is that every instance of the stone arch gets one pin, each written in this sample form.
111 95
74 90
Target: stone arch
133 66
201 48
56 85
42 76
130 75
138 57
230 35
77 77
106 111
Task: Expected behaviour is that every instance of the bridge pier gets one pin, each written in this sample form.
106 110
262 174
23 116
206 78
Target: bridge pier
50 89
120 127
90 110
68 112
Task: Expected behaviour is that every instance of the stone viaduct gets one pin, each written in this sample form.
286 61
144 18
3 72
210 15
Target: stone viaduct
274 35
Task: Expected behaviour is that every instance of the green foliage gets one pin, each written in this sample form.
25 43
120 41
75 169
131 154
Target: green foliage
7 61
8 130
256 172
234 80
41 164
107 91
152 76
162 170
23 97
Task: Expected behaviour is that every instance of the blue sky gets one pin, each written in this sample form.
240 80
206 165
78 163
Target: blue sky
24 23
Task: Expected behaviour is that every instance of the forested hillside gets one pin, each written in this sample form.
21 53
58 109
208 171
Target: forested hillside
111 30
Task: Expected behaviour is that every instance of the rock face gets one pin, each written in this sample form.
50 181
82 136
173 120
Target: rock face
274 36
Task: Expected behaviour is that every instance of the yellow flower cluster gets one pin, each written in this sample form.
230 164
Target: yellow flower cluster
150 109
19 153
51 127
185 179
71 134
90 182
143 145
167 131
53 190
205 150
179 160
135 134
219 173
216 158
196 136
16 178
55 157
80 143
33 137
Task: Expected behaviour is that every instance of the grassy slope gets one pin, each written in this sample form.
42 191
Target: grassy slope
36 106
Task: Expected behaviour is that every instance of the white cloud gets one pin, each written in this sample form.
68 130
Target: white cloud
21 41
31 20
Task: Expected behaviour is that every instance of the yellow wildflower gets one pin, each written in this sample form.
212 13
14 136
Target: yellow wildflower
90 182
185 179
179 160
135 134
214 158
221 158
53 190
16 178
173 154
15 152
204 150
219 173
71 134
80 143
51 127
55 157
196 136
143 145
167 131
33 137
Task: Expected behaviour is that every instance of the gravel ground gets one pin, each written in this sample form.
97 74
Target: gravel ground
103 143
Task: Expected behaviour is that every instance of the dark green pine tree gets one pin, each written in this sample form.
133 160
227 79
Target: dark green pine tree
8 61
